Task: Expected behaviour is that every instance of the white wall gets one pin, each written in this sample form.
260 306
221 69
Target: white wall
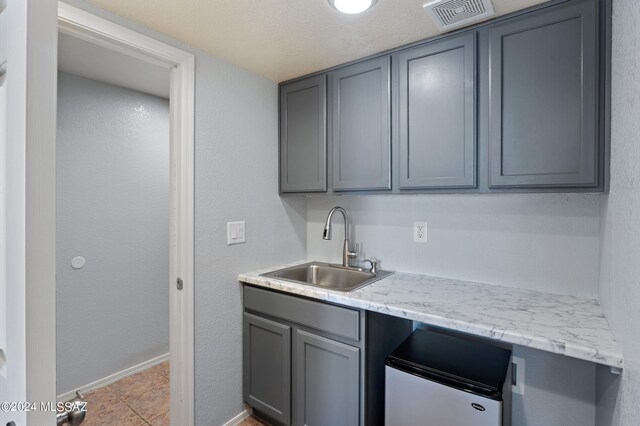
236 179
236 148
620 227
112 198
546 242
558 391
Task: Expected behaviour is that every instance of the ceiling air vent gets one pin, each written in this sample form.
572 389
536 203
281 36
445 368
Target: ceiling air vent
450 14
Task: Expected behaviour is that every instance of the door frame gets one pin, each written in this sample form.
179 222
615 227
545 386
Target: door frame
81 24
29 39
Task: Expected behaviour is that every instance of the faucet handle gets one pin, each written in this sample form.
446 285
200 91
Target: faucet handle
352 254
374 265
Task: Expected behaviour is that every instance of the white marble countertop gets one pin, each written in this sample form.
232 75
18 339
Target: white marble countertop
567 325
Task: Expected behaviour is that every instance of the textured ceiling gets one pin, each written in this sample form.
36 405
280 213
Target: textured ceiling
282 39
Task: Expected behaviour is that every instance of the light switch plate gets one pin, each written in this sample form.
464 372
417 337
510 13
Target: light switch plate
236 232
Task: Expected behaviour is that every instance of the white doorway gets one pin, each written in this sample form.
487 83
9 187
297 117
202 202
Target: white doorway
87 28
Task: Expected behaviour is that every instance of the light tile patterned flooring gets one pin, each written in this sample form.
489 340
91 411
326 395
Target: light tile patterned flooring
136 400
252 421
139 399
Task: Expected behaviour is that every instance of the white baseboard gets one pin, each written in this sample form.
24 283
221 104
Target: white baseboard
239 418
114 377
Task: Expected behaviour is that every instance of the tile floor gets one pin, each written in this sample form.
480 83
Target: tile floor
139 399
252 421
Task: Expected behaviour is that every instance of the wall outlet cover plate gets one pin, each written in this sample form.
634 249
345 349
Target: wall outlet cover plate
419 232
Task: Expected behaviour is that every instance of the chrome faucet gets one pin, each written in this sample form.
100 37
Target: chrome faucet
347 254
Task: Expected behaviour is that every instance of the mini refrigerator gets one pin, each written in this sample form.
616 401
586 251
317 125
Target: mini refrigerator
435 379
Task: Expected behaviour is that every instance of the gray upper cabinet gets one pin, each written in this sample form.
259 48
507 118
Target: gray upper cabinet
326 382
543 98
303 135
437 114
516 104
360 123
267 368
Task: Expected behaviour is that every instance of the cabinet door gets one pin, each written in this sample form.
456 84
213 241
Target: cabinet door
267 367
543 94
326 382
361 139
437 113
303 135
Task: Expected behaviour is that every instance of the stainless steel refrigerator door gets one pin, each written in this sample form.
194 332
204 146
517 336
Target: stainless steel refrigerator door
412 401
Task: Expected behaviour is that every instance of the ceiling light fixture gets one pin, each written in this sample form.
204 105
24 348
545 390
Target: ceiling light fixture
352 6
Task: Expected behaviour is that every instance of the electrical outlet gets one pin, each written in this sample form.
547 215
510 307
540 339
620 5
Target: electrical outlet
419 232
517 375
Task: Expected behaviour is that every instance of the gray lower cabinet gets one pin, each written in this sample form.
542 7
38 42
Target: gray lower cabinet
327 381
361 126
312 363
267 367
543 97
437 114
303 135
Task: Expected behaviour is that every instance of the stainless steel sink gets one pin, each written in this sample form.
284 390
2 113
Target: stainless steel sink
329 276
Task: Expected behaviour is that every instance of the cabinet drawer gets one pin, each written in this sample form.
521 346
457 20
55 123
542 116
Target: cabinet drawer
343 322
